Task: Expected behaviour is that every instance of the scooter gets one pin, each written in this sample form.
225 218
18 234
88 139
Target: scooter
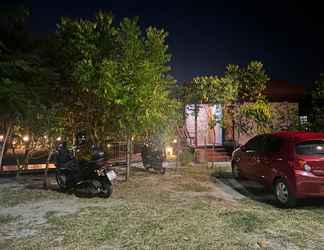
152 159
84 178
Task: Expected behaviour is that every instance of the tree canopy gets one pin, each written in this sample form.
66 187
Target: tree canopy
241 92
117 76
317 114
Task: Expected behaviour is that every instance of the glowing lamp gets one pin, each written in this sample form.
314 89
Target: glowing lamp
169 150
26 138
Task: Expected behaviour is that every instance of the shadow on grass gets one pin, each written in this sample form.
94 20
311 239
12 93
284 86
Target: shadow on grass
255 191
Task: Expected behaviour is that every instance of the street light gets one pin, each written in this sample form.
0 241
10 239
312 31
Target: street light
26 138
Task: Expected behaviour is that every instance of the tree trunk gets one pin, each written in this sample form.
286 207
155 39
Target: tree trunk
128 156
178 154
17 162
233 134
238 136
205 151
46 167
196 125
214 144
5 139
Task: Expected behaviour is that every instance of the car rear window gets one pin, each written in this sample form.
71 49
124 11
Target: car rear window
314 147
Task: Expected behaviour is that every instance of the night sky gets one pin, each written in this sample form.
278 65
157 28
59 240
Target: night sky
204 36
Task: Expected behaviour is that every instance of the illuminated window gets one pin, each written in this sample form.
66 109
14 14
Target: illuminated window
303 120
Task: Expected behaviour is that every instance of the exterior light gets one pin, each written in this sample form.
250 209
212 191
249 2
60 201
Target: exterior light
169 150
1 137
59 138
26 138
307 168
175 141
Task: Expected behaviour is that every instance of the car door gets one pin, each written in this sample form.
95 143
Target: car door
248 157
254 160
269 159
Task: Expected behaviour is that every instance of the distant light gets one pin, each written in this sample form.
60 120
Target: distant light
1 137
59 138
133 138
169 150
14 142
108 145
175 141
26 138
319 148
45 136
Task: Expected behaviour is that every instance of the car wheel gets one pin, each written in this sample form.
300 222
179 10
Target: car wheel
283 194
236 171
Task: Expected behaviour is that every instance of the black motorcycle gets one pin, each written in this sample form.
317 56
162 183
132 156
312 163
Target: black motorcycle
152 158
84 178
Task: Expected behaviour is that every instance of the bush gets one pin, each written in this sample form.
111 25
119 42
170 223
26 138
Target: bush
187 156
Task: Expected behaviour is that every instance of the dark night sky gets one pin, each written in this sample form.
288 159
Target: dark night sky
207 35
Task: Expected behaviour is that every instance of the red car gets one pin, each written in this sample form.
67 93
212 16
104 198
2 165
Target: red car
289 163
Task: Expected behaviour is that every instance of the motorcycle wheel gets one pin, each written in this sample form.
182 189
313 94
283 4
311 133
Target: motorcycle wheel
61 180
162 170
106 188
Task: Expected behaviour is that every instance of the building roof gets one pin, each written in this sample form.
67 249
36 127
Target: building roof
278 91
300 135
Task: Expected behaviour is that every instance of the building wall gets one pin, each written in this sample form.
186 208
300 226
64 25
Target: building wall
205 136
285 116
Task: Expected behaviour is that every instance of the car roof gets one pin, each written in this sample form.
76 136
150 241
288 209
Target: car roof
299 135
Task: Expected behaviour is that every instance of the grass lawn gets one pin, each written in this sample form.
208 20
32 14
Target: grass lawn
183 209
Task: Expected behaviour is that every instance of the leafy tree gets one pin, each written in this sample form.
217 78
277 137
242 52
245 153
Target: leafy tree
240 92
247 106
317 114
14 67
117 77
25 81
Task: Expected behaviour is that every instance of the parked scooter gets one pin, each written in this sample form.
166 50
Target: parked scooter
84 178
152 158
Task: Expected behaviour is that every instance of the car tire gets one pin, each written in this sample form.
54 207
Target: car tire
283 194
236 171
